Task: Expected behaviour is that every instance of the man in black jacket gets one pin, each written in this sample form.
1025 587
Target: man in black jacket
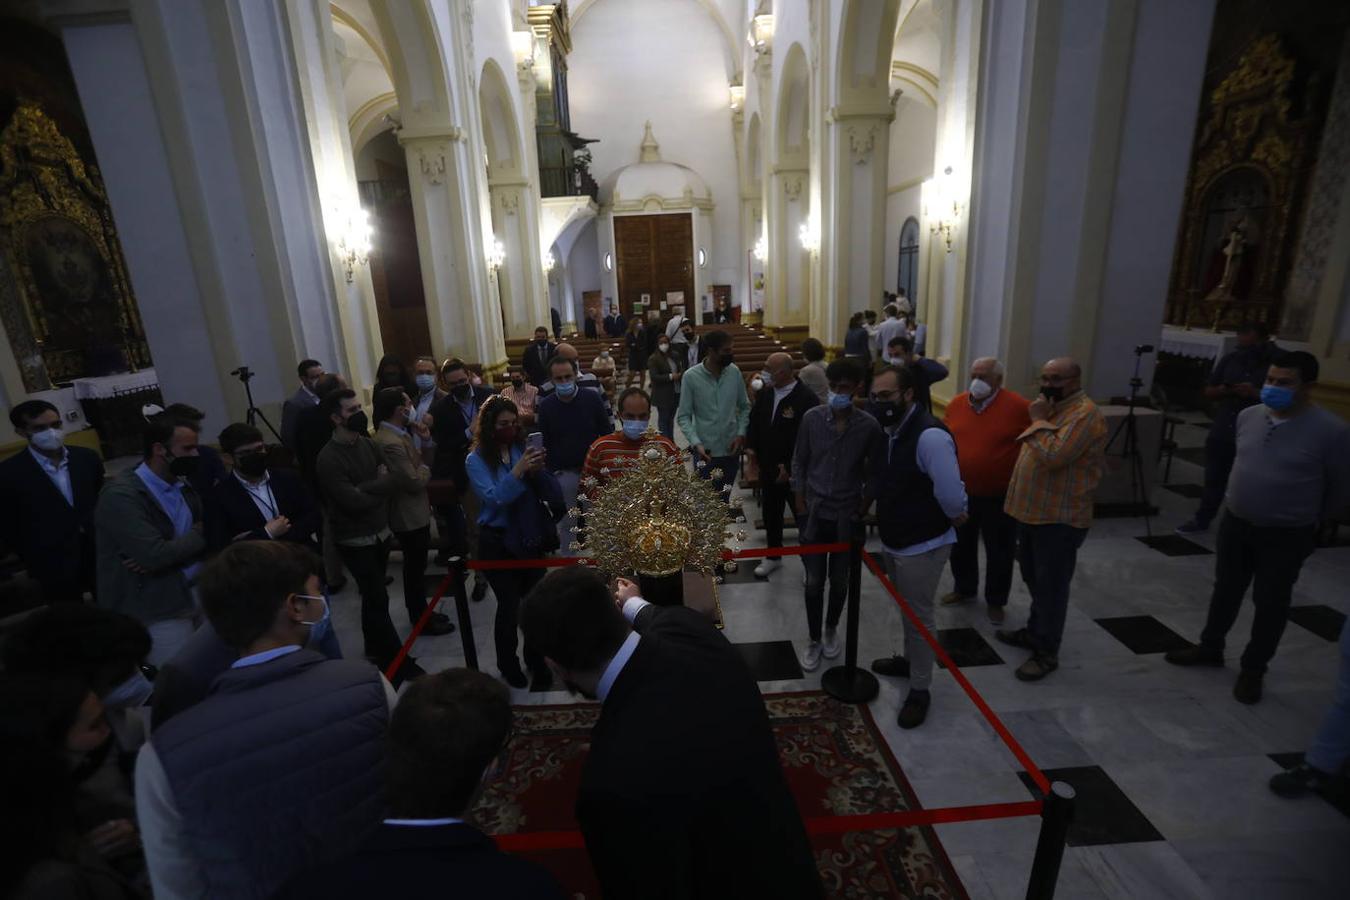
534 359
445 732
770 436
258 503
313 430
48 492
454 418
682 794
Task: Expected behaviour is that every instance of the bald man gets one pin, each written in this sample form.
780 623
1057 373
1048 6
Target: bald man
1050 496
770 438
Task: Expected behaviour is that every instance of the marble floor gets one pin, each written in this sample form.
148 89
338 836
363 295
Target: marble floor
1170 770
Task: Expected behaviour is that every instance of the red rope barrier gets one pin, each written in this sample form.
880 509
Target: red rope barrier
1031 768
422 621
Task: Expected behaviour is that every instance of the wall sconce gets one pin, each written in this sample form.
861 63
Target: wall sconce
353 243
737 97
761 32
809 235
761 251
702 258
549 260
941 206
496 255
609 262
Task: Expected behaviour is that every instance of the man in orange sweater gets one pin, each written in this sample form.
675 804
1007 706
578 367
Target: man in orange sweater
985 421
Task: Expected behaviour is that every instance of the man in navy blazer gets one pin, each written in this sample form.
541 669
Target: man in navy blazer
453 419
48 492
257 503
444 734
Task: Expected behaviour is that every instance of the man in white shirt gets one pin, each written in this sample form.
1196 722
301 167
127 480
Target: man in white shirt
892 327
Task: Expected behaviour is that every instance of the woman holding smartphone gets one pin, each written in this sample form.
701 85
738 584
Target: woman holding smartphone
503 473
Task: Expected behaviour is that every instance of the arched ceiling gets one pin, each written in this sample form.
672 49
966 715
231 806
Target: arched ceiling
722 12
916 58
367 87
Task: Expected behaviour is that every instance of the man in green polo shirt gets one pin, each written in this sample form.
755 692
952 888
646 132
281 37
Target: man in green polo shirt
715 410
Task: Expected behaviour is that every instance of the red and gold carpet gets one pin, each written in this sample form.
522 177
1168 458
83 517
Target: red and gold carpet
836 762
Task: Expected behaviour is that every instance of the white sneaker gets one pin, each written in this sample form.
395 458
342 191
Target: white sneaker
830 647
811 656
766 567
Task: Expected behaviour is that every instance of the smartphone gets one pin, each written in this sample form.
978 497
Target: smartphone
535 442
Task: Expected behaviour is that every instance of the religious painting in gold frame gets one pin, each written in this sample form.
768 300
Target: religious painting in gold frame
69 309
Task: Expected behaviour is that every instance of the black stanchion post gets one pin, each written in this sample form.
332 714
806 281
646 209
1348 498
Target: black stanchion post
457 584
1055 820
848 682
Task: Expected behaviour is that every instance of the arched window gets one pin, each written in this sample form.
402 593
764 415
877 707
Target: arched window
908 272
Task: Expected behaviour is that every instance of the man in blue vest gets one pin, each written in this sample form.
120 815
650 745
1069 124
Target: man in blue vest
920 501
280 767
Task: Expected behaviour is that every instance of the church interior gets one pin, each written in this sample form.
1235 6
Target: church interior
197 196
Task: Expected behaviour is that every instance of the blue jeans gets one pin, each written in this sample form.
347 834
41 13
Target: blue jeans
1047 555
819 566
665 421
1330 750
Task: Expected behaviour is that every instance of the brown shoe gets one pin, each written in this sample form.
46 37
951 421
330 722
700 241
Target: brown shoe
1248 687
952 598
1037 667
1018 638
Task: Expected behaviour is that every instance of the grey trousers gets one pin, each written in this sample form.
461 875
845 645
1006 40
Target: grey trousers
916 578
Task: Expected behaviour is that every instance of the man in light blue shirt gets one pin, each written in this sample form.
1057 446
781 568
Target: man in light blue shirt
715 410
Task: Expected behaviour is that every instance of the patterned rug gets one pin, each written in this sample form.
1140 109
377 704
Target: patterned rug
836 762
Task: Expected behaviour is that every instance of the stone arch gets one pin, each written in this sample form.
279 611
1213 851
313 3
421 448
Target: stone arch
793 119
501 133
865 45
412 43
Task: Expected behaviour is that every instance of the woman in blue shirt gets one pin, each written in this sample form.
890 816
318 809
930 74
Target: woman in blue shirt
499 466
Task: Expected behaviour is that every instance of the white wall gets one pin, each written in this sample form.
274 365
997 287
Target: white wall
583 268
661 60
913 143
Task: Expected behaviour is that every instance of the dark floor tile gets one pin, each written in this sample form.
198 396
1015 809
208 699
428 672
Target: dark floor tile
771 660
1189 491
968 648
1102 814
1320 619
1143 634
1175 545
1121 510
1289 760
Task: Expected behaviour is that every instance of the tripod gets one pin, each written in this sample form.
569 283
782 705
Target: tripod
1129 450
253 415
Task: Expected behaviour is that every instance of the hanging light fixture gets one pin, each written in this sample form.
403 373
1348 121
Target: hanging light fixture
353 242
496 255
761 250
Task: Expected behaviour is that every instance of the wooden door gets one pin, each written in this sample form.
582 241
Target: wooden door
396 271
655 257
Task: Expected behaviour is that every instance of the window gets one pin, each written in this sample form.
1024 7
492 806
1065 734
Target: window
908 272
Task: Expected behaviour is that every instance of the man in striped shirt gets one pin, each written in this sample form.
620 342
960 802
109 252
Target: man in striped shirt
1050 496
607 455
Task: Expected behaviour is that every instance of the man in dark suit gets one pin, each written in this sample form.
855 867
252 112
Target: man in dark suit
257 503
615 323
770 436
48 492
453 421
536 356
555 319
445 732
309 371
682 794
313 430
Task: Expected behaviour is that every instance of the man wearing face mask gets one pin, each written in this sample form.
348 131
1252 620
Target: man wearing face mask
1292 469
771 435
257 503
986 421
48 493
608 456
355 485
1050 496
715 410
279 768
921 501
452 431
534 359
664 368
421 420
151 537
309 371
924 373
525 396
1234 384
571 419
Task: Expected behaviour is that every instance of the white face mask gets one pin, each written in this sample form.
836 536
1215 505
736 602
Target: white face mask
756 383
49 439
980 389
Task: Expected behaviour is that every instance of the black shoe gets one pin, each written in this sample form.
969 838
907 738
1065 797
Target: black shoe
513 676
409 671
437 627
335 587
541 681
915 709
480 588
1037 667
1248 687
1303 778
1018 638
1194 655
894 666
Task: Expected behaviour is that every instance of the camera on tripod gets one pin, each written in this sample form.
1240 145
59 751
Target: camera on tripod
243 373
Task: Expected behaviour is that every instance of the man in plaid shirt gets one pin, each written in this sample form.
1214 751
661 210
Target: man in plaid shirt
1050 496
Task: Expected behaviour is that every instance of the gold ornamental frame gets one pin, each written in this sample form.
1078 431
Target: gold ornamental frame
47 190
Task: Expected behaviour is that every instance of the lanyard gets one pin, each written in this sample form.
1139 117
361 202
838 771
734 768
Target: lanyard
270 501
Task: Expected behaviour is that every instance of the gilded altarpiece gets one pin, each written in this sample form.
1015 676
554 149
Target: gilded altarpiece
65 298
1253 156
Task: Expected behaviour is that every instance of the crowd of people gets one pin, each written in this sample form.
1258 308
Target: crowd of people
180 717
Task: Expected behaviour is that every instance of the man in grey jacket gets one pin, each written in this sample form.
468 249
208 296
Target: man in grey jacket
280 767
1292 468
148 526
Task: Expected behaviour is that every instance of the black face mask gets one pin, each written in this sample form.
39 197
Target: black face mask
542 342
357 423
888 413
1053 393
184 466
728 359
251 464
461 391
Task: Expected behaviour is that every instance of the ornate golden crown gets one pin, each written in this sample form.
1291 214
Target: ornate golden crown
656 518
